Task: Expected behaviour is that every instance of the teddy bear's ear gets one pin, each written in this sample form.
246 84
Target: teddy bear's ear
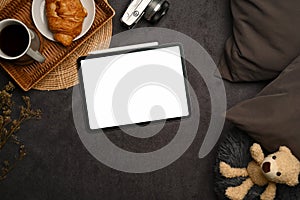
285 149
293 181
294 178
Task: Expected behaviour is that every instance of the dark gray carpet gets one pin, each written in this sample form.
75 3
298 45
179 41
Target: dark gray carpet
59 167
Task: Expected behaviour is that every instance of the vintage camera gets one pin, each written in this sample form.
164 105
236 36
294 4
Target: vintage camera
152 10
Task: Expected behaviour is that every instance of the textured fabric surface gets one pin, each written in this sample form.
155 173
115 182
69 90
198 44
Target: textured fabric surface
265 39
58 166
272 117
234 150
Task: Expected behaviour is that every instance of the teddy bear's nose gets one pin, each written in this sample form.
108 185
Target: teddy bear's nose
266 167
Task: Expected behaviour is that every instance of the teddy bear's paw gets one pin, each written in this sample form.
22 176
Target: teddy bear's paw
234 194
269 193
257 153
266 196
230 172
225 169
239 192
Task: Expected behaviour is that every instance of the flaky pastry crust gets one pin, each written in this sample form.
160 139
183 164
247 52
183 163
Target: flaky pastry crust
65 19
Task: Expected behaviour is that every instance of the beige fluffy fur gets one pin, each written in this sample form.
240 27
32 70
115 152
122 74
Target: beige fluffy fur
280 167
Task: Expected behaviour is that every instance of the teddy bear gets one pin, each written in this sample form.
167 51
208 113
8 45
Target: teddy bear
280 167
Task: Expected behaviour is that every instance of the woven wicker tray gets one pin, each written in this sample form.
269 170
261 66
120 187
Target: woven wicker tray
29 75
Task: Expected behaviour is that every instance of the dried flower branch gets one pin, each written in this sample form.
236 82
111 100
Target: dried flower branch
9 126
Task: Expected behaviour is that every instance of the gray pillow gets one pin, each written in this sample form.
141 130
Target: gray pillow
265 39
273 116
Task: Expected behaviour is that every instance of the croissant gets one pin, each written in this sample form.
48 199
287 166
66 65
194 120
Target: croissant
65 19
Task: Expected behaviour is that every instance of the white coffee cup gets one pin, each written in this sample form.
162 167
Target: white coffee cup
33 54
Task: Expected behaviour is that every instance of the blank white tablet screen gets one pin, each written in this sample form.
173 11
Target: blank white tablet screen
135 87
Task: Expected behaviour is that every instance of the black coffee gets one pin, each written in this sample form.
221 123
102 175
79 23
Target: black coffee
14 40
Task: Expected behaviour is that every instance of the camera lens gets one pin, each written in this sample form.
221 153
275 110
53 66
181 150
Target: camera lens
163 10
156 10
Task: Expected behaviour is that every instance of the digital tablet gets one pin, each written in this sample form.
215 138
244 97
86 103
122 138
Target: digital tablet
134 86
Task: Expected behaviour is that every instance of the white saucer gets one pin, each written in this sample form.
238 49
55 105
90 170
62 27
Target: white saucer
41 23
